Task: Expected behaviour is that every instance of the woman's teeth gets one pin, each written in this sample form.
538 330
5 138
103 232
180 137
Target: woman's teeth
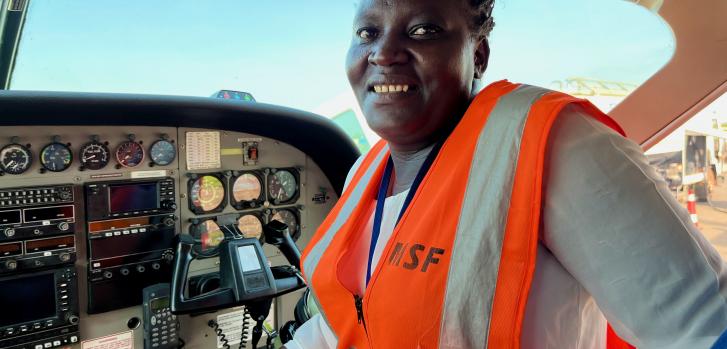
391 88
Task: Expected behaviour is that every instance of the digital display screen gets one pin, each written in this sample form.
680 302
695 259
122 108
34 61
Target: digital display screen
49 244
248 258
116 224
10 217
48 213
133 197
11 249
159 303
26 299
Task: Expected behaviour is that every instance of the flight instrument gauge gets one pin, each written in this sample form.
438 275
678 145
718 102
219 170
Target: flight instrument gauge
282 186
247 191
290 218
206 194
250 226
162 152
130 154
56 157
95 156
15 159
208 236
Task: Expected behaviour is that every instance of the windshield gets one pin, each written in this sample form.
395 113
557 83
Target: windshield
292 53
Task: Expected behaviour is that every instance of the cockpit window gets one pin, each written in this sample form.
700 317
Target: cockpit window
292 53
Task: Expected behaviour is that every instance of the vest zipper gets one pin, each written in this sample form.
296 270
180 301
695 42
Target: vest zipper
358 301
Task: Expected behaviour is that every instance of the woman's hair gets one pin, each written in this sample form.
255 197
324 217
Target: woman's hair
483 22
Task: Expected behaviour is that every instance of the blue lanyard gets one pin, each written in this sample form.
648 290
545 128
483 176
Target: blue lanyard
383 190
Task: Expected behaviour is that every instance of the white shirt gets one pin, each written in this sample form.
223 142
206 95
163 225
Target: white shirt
616 245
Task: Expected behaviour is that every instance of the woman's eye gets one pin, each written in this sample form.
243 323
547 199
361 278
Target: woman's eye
425 30
366 34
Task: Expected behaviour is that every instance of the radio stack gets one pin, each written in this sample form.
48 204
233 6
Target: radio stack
38 280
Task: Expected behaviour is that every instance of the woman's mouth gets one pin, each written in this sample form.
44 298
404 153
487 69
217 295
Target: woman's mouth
390 88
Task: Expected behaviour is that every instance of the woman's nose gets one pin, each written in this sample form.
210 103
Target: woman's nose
388 50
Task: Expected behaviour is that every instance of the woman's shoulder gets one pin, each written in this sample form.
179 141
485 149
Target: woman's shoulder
577 129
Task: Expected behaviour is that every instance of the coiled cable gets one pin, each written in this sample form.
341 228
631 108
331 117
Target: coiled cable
220 335
245 328
246 318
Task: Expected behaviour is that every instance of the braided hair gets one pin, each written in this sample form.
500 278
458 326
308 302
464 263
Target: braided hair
483 21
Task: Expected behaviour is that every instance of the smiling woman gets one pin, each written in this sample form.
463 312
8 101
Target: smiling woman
446 224
430 50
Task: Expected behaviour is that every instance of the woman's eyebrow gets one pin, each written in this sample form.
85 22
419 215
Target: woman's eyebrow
365 18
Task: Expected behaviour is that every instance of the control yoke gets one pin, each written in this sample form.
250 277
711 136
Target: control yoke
245 276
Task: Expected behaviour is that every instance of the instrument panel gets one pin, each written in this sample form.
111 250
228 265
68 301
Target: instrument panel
99 206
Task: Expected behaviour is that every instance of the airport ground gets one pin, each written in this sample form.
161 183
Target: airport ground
713 218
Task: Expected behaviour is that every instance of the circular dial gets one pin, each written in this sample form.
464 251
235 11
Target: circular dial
15 159
95 156
207 193
130 154
162 152
282 186
56 157
247 188
290 219
250 226
209 235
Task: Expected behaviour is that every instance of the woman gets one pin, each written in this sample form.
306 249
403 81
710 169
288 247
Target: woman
511 217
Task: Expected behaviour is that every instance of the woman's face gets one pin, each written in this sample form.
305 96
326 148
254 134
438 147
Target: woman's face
411 65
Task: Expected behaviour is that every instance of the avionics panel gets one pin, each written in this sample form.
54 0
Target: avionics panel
38 308
126 209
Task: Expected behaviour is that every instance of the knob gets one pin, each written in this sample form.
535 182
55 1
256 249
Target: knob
169 221
65 195
9 232
11 265
107 274
168 256
64 257
156 266
140 268
72 319
169 205
124 271
63 226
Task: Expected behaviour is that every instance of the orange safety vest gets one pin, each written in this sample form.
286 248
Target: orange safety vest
457 269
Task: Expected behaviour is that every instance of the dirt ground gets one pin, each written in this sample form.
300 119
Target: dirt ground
712 221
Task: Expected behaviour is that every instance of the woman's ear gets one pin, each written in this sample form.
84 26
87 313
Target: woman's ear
482 57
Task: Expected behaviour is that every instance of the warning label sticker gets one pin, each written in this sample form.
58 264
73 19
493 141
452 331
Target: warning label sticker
123 340
231 326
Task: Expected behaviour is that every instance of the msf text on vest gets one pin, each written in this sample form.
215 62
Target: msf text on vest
411 256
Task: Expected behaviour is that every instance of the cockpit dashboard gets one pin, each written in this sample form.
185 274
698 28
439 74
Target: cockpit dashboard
94 189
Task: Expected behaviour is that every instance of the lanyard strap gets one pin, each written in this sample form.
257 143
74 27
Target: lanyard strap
384 189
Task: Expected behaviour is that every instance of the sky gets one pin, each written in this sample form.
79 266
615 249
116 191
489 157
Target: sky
291 52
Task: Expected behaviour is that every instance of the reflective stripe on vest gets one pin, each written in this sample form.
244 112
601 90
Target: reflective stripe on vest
457 269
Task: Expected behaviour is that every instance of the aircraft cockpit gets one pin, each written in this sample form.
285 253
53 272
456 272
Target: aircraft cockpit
164 164
113 194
